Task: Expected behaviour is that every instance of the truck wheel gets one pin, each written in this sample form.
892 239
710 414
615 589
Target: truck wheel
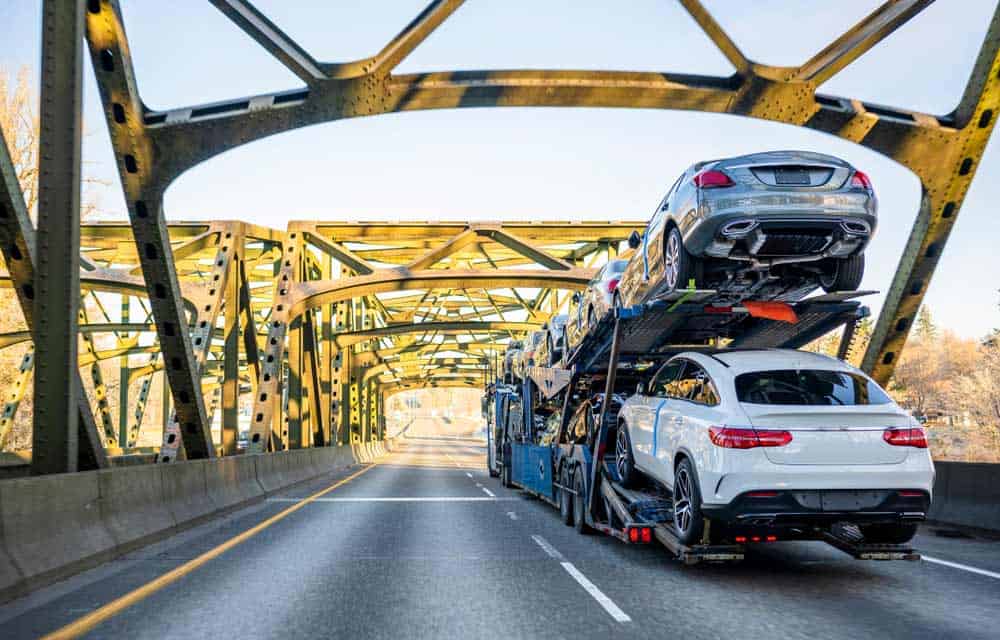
889 533
565 499
688 520
843 275
580 504
493 472
624 462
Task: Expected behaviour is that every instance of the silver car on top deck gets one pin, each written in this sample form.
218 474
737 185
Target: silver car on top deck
771 225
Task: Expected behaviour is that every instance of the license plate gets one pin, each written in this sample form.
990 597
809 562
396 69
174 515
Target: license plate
851 500
794 177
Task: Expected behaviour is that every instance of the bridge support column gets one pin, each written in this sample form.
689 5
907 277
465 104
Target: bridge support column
231 358
55 441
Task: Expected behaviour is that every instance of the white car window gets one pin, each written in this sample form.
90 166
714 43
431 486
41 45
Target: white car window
659 387
695 385
808 387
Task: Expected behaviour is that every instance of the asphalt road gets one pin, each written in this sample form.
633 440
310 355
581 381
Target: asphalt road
425 545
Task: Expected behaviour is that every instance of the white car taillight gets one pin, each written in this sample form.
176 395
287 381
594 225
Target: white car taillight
911 437
741 438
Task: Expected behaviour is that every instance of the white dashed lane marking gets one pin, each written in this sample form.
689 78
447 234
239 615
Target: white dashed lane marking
607 603
546 547
962 567
613 610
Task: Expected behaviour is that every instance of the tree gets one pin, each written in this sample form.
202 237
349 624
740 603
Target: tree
926 330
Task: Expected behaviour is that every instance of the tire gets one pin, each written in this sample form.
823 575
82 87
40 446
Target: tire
494 473
688 520
565 499
505 478
678 265
580 504
889 533
843 275
624 462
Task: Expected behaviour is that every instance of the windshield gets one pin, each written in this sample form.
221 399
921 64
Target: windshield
808 387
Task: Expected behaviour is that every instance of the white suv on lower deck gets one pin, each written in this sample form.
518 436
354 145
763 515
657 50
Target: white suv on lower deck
777 440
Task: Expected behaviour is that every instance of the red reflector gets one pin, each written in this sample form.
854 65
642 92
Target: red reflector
772 538
861 181
762 494
633 535
712 179
913 437
740 539
755 538
718 309
911 493
612 285
647 535
739 438
781 311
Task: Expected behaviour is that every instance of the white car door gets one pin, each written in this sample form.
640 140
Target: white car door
644 427
693 405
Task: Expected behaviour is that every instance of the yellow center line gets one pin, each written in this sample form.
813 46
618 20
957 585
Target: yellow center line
86 623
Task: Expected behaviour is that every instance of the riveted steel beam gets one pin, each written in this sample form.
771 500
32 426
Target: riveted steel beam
347 339
269 36
56 290
13 396
143 181
269 386
97 380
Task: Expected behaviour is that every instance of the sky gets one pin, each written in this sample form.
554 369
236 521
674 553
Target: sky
540 164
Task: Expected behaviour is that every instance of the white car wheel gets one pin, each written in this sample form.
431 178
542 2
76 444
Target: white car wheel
688 520
624 462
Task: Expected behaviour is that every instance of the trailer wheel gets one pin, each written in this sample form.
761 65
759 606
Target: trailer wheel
688 520
580 504
624 462
565 498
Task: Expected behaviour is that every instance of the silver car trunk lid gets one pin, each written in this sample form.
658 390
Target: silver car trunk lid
788 170
831 435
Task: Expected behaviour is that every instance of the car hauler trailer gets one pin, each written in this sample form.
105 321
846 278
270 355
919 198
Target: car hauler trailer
552 430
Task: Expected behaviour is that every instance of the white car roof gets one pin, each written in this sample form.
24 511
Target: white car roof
742 361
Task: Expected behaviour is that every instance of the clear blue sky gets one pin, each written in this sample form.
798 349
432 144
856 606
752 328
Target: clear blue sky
541 164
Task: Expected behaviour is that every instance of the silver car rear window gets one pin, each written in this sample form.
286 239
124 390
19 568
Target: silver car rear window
808 387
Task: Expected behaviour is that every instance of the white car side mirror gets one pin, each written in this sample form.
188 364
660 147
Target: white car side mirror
634 240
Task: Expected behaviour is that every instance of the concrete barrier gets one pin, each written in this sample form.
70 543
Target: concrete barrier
968 494
232 481
299 465
270 470
52 526
10 576
185 490
132 505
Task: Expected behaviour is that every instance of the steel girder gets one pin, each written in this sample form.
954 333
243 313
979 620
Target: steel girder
128 337
942 150
357 302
